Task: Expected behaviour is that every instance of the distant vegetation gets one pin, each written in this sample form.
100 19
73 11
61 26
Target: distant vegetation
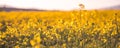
17 9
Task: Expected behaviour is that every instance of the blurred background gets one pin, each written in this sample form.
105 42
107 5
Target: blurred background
60 4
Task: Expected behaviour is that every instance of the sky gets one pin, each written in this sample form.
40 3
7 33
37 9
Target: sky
60 4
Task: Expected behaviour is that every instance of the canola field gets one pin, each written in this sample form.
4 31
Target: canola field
60 29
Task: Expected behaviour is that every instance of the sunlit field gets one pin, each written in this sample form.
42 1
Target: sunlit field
60 29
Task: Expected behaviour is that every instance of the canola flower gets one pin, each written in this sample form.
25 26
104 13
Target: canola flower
60 29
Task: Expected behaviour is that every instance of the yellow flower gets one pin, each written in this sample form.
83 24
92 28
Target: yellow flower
32 42
17 46
64 45
35 42
114 33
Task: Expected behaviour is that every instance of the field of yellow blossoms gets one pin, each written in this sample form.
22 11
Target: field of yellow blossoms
60 29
